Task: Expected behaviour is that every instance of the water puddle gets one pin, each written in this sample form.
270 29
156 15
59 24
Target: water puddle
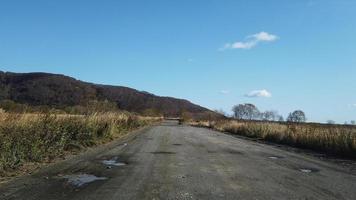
113 162
308 170
78 180
275 157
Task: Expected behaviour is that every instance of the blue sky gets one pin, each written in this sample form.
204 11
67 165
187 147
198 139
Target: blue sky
280 55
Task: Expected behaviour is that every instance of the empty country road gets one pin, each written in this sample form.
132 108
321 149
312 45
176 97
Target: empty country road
171 161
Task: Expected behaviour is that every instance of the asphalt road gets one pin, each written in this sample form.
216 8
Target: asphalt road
169 161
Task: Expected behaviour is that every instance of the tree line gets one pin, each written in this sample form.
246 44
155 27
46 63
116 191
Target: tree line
249 111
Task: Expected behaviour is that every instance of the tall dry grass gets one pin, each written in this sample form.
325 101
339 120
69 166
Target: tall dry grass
333 139
43 137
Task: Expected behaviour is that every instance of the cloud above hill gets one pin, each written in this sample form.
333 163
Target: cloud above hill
259 93
250 41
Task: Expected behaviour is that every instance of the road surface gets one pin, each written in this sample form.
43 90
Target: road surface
169 161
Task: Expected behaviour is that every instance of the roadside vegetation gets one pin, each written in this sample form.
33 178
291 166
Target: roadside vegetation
44 137
333 139
248 121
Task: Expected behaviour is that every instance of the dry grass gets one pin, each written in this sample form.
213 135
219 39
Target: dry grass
334 139
28 138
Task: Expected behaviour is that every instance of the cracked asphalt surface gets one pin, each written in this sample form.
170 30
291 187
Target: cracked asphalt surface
170 161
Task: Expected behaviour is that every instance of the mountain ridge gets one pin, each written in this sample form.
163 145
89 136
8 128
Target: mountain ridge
58 90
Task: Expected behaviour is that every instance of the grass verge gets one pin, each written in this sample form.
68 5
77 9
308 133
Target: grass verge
337 140
38 138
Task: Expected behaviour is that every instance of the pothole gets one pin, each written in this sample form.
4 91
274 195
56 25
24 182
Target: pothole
79 180
233 151
181 176
176 144
163 152
114 162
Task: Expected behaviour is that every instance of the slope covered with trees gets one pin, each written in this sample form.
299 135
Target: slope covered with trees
59 91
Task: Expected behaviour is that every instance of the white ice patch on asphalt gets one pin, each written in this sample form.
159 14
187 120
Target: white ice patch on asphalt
113 162
79 180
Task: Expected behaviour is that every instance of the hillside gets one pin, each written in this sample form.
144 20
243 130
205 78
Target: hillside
59 91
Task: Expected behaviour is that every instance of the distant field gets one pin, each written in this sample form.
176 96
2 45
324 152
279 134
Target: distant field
333 139
26 138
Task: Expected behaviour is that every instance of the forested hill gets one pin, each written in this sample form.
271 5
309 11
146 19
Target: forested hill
60 91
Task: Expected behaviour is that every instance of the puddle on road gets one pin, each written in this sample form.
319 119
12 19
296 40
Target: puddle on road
275 157
308 170
113 162
78 180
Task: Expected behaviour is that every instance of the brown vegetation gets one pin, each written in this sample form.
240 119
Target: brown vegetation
42 137
334 139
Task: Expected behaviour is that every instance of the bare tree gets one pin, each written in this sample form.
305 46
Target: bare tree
239 111
330 121
246 111
270 115
296 116
280 118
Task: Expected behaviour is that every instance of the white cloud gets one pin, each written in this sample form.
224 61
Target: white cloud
252 41
225 92
352 105
190 60
244 45
259 93
264 36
